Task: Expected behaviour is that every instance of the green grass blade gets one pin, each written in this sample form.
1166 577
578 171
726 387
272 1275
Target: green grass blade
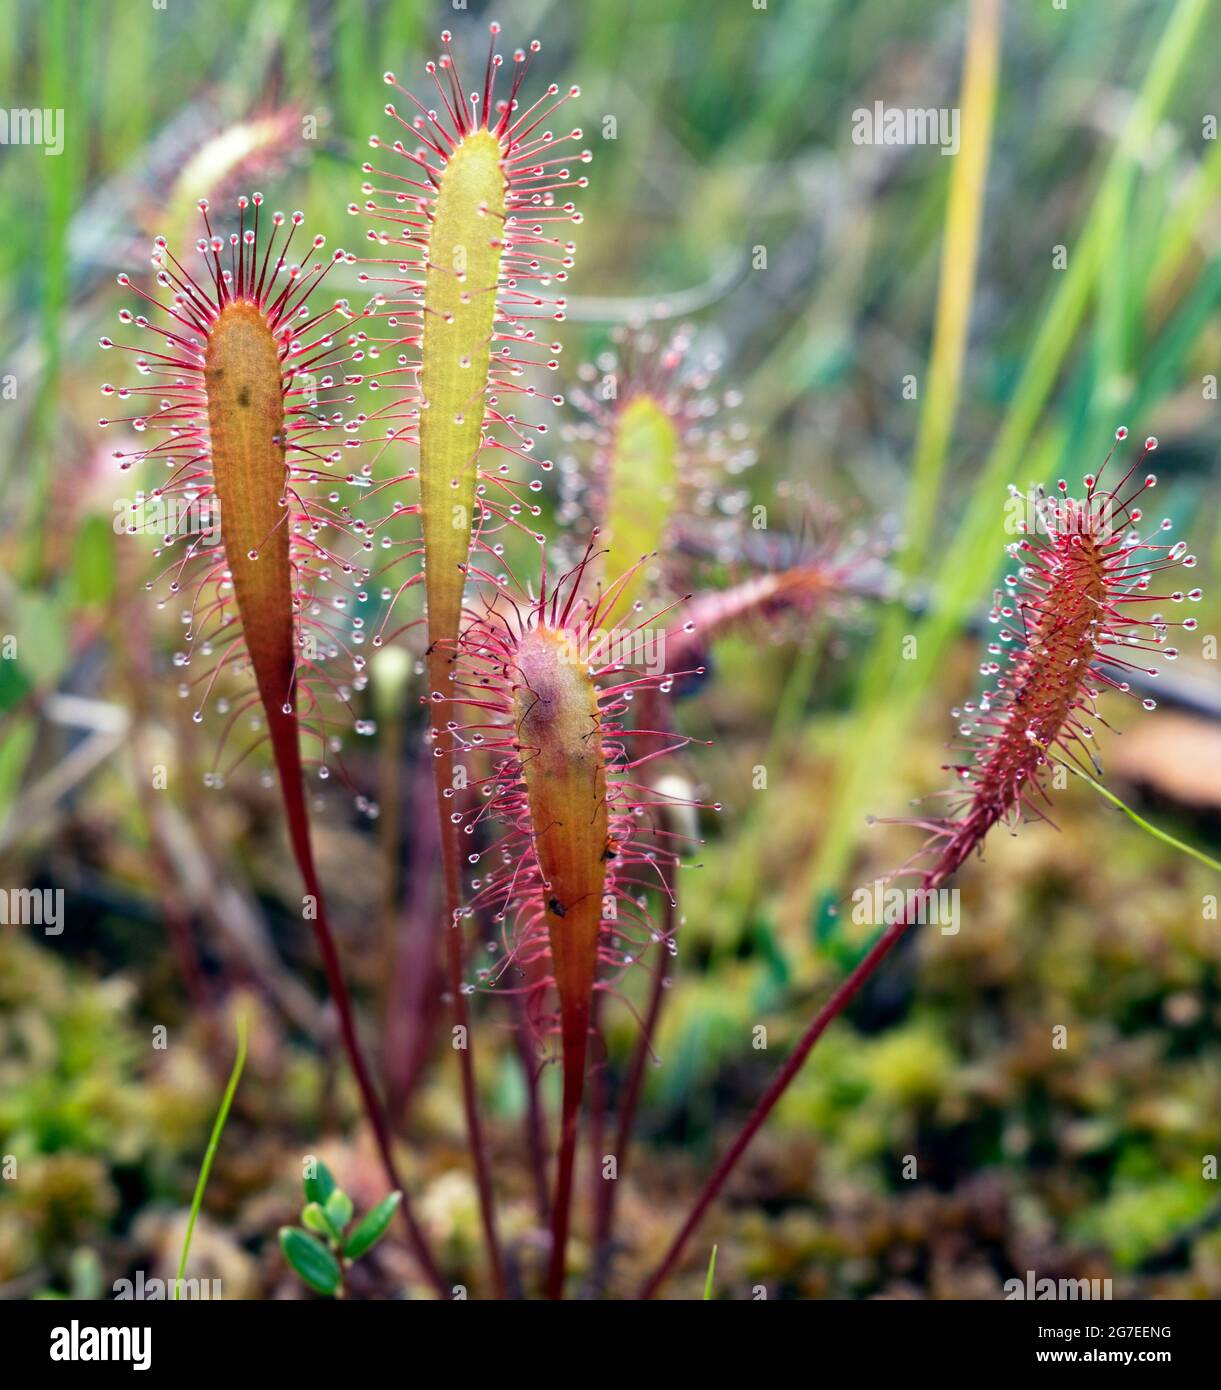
889 706
56 48
218 1128
711 1276
956 285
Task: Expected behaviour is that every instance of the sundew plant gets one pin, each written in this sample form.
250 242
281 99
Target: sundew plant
477 814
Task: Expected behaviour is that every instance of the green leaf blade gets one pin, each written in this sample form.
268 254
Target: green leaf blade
373 1225
338 1209
320 1186
311 1260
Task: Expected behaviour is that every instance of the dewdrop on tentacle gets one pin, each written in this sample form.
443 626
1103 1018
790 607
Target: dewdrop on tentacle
576 839
666 453
465 269
1076 617
787 581
241 412
669 461
217 161
552 684
1072 614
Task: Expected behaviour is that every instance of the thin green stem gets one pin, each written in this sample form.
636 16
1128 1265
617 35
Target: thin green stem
1140 820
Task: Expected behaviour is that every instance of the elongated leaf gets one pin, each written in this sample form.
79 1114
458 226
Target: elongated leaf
313 1218
311 1259
321 1185
338 1209
372 1226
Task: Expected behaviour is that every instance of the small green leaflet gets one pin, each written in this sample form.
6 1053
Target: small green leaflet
311 1259
372 1226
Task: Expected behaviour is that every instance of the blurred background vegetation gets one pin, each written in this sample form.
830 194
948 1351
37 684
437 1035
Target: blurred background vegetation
731 134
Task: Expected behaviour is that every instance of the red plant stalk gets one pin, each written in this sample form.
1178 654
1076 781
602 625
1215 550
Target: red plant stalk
132 641
577 844
604 1210
534 1119
234 409
763 600
666 444
415 999
1083 580
469 261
